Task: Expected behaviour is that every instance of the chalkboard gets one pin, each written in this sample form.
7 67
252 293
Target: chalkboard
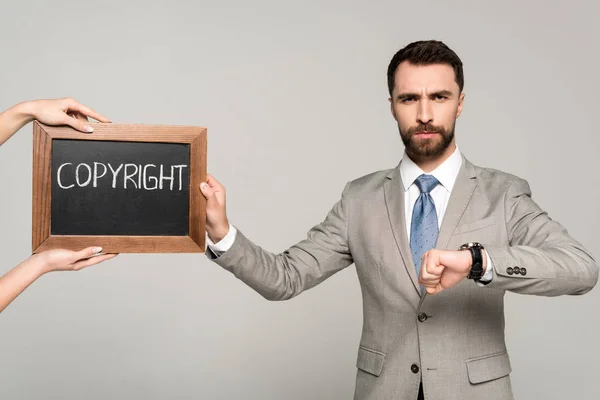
127 188
119 188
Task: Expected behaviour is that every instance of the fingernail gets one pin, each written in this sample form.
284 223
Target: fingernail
97 249
203 185
88 128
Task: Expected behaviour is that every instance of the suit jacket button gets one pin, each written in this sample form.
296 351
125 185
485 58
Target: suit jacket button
523 271
517 270
422 317
509 270
414 368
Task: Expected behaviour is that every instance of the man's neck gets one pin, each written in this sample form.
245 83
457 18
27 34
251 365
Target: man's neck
428 164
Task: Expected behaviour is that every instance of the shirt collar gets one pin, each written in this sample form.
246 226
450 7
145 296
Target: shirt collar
445 173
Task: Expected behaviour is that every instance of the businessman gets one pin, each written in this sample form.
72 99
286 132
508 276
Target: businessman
436 242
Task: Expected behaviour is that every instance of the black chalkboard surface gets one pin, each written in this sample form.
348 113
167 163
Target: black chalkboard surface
129 188
119 188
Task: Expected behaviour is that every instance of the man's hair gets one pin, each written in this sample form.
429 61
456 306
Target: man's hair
426 52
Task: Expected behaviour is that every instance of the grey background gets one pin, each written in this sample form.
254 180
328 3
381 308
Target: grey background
295 100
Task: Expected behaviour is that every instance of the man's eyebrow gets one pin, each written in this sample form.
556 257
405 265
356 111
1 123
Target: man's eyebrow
413 95
407 95
445 93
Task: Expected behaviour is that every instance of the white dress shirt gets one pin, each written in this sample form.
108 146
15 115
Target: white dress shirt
446 175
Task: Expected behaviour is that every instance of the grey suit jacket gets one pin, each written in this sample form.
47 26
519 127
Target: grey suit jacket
452 341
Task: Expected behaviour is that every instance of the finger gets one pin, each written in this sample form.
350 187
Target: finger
206 190
80 116
92 261
74 105
213 183
431 272
433 266
436 270
429 281
77 124
87 252
426 268
423 275
435 290
209 194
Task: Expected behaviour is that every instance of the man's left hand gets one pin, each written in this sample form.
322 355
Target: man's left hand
443 269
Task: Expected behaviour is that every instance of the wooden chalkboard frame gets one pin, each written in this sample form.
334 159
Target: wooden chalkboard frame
42 239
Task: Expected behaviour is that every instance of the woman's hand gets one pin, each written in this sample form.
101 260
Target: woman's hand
68 260
65 111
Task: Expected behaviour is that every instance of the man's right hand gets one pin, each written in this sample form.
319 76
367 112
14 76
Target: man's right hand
217 224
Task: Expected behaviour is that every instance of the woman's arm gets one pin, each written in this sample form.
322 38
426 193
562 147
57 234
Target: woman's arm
65 111
19 278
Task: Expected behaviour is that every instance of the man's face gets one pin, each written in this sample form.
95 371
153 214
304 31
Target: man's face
426 103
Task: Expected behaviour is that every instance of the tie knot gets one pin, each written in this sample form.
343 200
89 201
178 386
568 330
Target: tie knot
426 183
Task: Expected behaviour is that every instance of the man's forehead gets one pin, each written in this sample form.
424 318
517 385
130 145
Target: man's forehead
425 78
424 90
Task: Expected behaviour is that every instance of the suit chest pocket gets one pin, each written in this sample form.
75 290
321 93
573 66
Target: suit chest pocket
486 231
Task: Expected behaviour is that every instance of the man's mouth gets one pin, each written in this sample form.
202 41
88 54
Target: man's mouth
426 134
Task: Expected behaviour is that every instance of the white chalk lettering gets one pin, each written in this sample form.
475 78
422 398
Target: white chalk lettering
128 177
115 173
162 177
149 178
96 177
77 175
134 176
58 177
181 167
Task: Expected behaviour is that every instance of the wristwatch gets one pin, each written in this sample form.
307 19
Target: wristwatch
475 248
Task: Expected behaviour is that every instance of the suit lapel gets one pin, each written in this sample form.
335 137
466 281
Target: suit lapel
461 195
394 201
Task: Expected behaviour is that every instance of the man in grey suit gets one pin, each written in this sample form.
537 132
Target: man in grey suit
436 242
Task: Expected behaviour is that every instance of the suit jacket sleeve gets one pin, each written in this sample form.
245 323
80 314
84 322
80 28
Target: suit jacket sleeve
283 276
555 263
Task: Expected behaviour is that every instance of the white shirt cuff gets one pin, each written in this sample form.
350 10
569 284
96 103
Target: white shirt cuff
488 276
224 244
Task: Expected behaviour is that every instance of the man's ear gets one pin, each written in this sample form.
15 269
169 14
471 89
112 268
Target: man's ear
461 102
392 108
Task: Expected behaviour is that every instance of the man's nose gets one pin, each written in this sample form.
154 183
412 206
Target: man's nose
425 113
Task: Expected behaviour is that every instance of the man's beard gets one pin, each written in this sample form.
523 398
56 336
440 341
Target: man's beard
429 148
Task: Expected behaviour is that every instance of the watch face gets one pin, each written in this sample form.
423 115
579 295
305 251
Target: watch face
470 245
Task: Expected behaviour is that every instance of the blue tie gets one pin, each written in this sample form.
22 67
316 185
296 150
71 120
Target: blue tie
424 225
